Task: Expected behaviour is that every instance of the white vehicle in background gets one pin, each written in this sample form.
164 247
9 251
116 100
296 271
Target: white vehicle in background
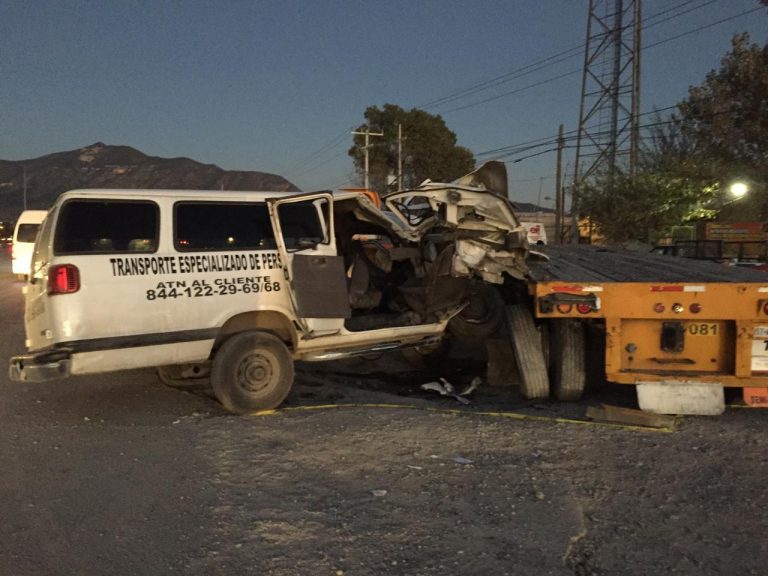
537 233
24 235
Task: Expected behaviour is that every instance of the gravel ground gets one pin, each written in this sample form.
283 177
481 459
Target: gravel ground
363 473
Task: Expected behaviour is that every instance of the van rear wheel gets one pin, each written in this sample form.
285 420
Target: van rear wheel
252 371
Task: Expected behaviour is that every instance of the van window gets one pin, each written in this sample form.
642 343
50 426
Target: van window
301 224
203 226
106 227
27 232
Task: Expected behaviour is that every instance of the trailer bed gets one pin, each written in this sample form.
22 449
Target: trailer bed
585 263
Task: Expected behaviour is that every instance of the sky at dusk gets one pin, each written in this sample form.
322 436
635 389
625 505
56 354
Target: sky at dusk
276 86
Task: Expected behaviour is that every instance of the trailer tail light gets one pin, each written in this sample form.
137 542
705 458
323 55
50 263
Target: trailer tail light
658 308
63 279
584 308
677 308
695 308
765 307
564 308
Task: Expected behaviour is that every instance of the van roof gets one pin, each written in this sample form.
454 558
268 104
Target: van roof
231 195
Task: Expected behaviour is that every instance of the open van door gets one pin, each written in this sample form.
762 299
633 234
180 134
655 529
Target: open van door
314 271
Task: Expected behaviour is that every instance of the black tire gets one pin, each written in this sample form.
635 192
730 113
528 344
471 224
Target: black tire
526 342
252 371
567 359
481 317
185 376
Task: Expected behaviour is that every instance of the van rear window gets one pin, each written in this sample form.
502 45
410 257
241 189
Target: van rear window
106 227
27 232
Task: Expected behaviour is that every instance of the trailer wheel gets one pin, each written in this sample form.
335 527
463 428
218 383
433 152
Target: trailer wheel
567 359
481 317
526 342
185 376
252 371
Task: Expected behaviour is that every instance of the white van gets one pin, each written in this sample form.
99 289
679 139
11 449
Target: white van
24 240
240 284
537 233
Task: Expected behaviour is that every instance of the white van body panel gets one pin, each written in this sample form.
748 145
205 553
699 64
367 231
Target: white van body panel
129 358
24 240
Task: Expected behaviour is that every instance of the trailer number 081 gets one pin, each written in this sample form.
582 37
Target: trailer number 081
702 329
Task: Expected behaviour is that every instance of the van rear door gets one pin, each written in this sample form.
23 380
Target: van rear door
314 271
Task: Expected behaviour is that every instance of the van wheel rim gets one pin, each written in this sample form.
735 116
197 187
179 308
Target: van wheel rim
255 373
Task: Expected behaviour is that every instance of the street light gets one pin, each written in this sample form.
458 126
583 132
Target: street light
738 189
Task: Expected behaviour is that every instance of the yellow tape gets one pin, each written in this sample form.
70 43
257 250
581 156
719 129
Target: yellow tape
456 411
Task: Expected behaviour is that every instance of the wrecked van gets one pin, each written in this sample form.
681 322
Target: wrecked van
238 285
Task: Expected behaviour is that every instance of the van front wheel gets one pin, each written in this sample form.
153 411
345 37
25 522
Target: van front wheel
252 371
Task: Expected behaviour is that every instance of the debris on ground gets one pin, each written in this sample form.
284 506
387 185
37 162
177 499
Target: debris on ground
462 460
630 416
445 388
476 381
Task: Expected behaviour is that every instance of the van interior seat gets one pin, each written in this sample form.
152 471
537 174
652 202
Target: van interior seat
102 244
141 245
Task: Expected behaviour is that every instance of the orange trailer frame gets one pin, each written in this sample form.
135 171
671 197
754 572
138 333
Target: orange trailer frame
709 332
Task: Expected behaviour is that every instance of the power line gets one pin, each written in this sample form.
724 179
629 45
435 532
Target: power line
333 143
536 66
549 140
516 91
544 63
704 27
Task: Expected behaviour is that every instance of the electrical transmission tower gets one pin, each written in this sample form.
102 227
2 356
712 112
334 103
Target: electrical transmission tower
608 137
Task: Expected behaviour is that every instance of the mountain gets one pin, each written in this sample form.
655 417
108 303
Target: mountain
103 166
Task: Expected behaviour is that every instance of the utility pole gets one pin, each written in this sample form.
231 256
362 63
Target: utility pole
538 201
399 156
559 189
367 133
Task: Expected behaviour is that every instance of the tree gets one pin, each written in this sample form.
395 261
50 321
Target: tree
429 148
728 114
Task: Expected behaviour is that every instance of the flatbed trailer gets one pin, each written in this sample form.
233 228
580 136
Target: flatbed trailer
679 329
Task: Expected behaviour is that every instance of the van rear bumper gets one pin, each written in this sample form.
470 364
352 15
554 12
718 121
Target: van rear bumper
40 366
